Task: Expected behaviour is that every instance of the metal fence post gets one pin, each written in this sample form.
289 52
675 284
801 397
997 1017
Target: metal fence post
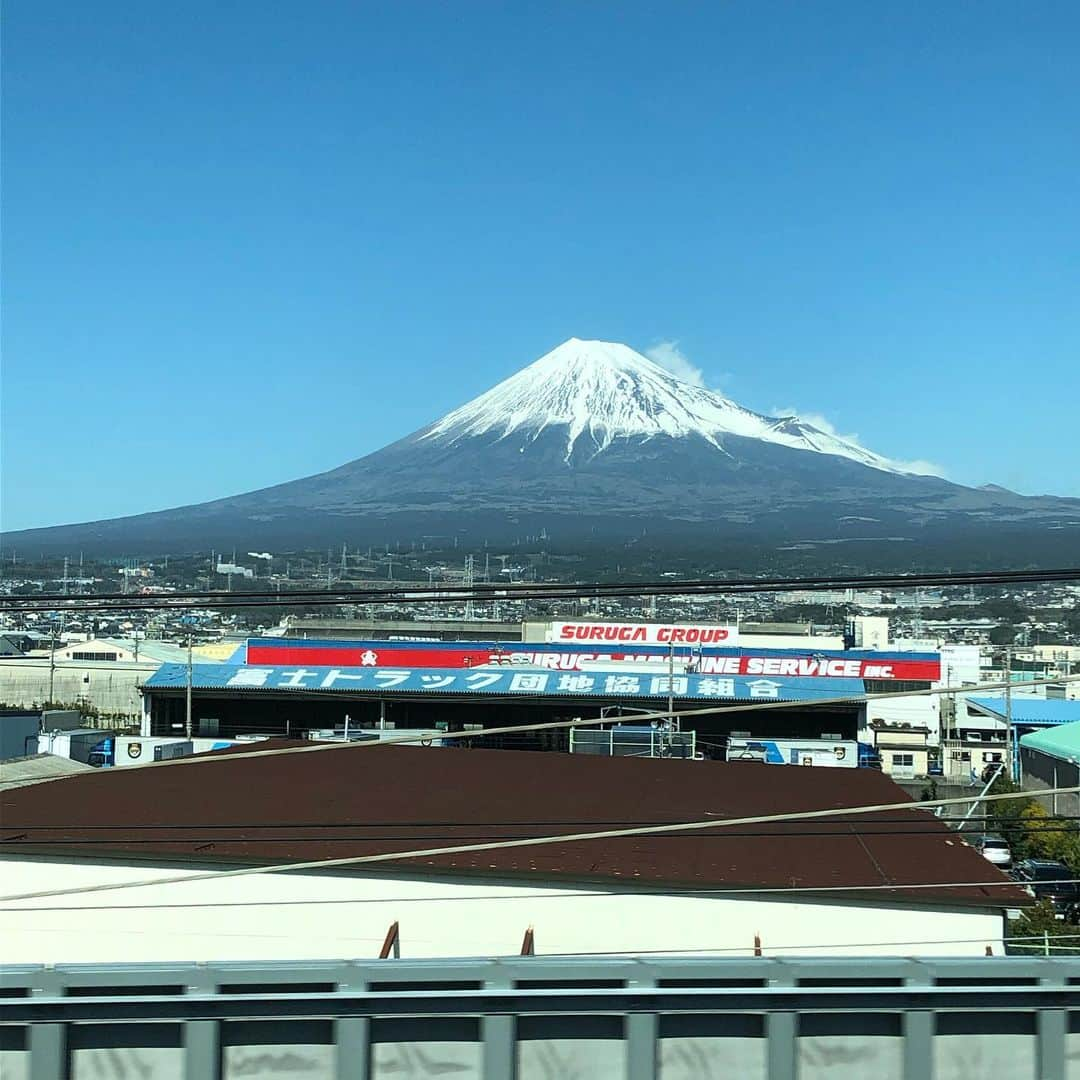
47 1052
498 1033
781 1034
640 1033
781 1031
1051 1026
352 1035
202 1038
202 1052
47 1043
353 1055
917 1028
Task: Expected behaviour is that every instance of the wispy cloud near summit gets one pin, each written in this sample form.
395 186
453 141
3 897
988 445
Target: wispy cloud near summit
919 467
671 358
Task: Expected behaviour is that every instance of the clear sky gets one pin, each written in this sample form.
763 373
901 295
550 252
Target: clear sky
247 241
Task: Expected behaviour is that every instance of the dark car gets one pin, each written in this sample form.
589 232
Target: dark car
1053 881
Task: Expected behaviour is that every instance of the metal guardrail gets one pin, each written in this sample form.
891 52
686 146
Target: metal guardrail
672 1018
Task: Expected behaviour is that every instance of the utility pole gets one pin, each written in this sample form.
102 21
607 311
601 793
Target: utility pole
1008 712
979 798
671 688
187 696
52 657
52 667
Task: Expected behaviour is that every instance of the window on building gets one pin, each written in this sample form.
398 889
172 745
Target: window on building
884 686
93 656
903 761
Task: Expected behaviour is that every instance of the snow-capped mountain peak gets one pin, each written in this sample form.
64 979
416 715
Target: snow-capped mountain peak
600 391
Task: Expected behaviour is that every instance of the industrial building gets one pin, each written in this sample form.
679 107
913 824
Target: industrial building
892 883
22 729
103 675
1019 715
1050 758
293 687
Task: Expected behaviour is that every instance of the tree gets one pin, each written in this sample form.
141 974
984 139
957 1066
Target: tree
1049 837
1006 608
1007 817
1040 930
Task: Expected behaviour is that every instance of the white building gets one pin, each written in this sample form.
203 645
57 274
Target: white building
822 887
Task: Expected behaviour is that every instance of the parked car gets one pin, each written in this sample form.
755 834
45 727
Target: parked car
993 848
1053 881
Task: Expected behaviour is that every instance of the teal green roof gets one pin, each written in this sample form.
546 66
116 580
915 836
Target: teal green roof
1062 741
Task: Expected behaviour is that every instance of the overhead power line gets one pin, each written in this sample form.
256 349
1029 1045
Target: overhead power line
482 591
533 841
10 832
540 893
189 834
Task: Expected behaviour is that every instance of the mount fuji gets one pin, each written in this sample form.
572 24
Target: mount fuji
595 444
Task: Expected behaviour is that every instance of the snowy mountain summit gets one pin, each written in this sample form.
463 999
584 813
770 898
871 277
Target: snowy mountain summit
601 391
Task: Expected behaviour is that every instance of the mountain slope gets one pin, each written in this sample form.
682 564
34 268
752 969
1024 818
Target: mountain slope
597 444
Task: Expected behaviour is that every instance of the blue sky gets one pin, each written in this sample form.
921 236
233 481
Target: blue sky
244 242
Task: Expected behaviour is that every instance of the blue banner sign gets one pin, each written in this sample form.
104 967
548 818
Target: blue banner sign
500 682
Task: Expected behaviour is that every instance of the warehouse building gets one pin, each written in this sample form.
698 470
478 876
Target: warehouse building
22 729
1020 715
1050 758
293 687
102 674
891 883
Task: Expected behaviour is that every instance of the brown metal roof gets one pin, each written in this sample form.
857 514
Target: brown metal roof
344 801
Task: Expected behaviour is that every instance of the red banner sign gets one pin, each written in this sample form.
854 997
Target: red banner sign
417 655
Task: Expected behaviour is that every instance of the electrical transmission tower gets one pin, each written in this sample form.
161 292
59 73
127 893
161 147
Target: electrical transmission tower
467 583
